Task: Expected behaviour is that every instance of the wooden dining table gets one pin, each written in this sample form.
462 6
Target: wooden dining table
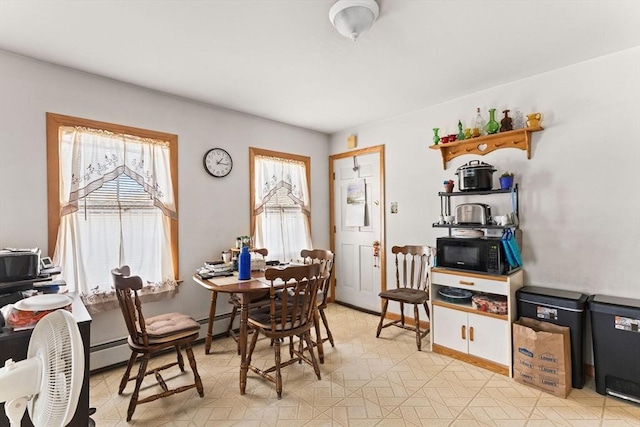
245 290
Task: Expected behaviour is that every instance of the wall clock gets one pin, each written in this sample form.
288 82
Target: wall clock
217 162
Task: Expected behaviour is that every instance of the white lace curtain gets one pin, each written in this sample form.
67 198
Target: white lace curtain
90 245
281 228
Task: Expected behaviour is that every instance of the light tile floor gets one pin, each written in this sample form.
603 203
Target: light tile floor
366 381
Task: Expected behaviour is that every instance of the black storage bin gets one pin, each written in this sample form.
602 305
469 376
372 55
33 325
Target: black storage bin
563 308
615 329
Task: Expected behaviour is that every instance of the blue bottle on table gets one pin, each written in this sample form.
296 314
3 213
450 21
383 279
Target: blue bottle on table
244 264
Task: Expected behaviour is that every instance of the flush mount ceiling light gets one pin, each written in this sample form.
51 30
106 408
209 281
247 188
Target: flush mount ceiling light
353 17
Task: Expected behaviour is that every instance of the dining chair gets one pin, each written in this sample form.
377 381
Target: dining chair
326 259
256 301
412 287
290 313
148 336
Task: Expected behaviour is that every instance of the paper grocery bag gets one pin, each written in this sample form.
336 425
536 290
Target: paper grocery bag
542 356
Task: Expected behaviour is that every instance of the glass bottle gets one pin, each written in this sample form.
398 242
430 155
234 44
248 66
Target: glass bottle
479 126
461 135
506 124
436 138
244 264
518 121
492 126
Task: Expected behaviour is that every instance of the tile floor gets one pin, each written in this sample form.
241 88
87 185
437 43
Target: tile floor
366 381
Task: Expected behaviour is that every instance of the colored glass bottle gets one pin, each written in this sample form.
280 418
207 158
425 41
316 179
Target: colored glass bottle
506 124
436 138
244 264
492 125
461 134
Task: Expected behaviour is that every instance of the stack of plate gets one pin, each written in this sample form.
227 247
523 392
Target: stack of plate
467 233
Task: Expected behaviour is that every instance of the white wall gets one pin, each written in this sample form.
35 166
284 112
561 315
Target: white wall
212 211
580 192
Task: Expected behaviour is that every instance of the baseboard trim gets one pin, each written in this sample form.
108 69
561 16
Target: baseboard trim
424 325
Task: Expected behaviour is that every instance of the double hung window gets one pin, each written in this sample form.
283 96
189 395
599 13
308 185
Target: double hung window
281 203
112 202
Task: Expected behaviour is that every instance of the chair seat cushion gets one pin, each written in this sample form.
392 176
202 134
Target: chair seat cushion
408 295
170 324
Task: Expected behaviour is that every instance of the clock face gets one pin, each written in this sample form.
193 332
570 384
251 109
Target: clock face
217 162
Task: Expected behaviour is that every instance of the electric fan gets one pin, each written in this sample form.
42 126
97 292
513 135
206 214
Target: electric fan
50 378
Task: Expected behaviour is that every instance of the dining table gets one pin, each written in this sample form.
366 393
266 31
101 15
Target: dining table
245 289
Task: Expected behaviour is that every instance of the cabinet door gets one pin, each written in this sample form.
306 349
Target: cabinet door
489 338
450 328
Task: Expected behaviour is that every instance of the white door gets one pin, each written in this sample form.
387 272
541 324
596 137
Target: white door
358 222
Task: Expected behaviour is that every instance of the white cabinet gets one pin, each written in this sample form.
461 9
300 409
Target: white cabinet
461 331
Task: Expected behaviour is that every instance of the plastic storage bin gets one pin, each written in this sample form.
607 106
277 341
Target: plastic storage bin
563 308
615 329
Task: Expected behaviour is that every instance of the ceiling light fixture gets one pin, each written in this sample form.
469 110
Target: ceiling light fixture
353 17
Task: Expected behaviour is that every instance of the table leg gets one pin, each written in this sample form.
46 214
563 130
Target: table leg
212 315
316 319
242 340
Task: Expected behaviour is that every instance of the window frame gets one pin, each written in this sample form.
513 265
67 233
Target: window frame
54 121
253 152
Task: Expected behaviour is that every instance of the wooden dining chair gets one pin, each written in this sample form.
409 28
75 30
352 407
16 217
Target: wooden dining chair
148 336
325 259
412 274
258 300
290 313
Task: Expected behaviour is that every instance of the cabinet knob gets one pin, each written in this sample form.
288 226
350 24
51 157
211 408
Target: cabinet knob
463 332
470 333
464 282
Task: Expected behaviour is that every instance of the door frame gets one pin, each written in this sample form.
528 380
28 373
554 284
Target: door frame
379 149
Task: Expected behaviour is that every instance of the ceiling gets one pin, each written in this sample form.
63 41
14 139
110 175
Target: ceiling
282 59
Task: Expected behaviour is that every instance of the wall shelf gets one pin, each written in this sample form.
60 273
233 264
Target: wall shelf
482 145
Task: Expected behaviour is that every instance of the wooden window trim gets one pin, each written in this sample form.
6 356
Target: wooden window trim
54 121
253 152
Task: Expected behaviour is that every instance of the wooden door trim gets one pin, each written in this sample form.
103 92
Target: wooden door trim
332 221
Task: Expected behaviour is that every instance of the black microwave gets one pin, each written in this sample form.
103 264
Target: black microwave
484 255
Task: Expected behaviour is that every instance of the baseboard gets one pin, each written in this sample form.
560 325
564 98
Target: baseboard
391 316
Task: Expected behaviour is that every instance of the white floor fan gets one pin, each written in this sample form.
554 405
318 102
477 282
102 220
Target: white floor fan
49 381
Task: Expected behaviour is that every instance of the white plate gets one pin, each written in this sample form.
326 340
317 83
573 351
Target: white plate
44 302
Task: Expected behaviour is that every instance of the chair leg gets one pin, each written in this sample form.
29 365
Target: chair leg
125 377
402 314
382 315
416 316
136 391
316 367
252 346
180 358
194 368
426 308
276 349
234 312
326 326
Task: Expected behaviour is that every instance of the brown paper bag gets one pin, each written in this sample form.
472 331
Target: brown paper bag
542 356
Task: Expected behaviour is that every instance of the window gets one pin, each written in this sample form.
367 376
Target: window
112 202
281 203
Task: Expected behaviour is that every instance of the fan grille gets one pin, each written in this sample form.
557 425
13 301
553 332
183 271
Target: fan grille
57 342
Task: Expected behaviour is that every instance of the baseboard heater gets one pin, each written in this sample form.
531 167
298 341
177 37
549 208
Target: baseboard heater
115 353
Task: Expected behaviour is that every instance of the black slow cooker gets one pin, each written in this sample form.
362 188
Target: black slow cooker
475 176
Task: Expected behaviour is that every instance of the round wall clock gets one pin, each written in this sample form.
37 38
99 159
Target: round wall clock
217 162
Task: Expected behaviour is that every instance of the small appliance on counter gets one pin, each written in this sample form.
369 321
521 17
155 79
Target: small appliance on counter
473 213
482 255
475 176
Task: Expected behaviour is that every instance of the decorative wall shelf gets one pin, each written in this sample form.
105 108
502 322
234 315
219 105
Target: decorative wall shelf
482 145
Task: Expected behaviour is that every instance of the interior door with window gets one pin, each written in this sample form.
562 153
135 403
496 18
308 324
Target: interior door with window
357 219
